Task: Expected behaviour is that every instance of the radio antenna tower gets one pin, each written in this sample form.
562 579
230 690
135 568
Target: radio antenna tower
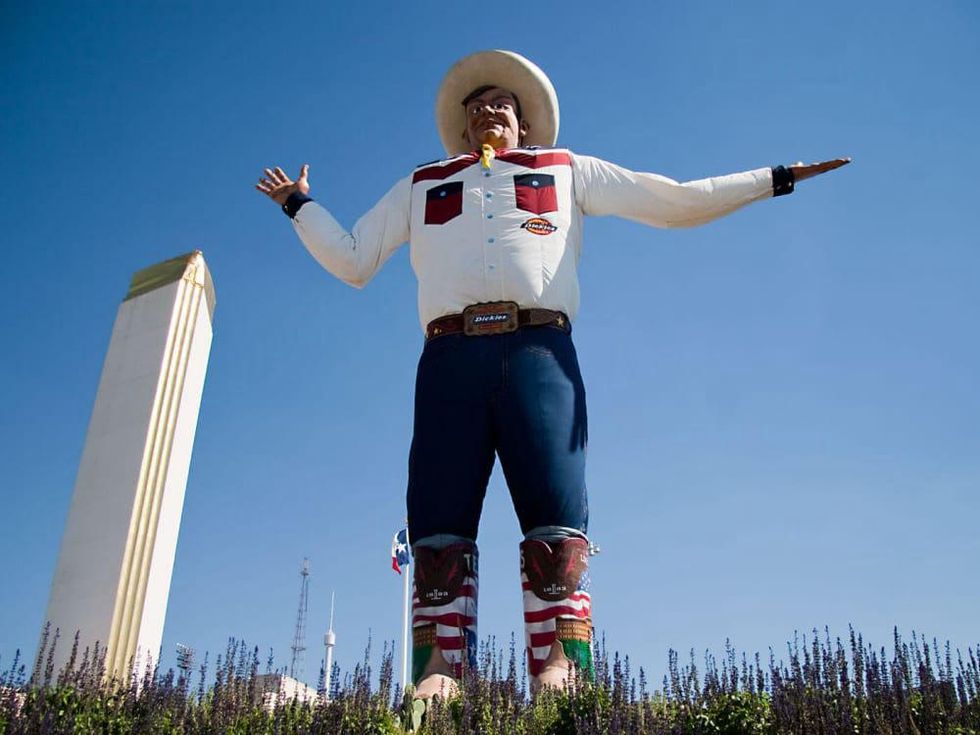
299 637
329 640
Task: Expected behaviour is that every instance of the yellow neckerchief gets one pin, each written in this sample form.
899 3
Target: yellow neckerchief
487 155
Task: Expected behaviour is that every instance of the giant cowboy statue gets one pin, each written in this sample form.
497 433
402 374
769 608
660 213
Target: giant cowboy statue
495 232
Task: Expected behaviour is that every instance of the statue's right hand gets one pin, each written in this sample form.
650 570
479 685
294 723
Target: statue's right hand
277 186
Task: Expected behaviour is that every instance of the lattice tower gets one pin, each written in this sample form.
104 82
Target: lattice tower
299 637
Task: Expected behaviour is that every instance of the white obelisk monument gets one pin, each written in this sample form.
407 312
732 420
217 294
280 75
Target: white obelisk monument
113 574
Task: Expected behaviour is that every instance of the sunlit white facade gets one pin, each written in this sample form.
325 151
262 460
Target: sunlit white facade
112 578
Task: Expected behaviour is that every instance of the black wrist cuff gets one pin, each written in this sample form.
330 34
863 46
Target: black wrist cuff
294 202
782 181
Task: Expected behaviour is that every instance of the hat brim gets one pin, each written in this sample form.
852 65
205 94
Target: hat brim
507 70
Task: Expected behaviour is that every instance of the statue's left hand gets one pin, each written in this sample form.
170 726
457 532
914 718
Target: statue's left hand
277 186
806 171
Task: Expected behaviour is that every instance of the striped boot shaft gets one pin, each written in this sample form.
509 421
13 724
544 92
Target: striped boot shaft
557 603
444 605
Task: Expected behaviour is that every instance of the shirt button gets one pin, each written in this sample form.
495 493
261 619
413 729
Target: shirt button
489 195
492 267
489 216
486 173
490 240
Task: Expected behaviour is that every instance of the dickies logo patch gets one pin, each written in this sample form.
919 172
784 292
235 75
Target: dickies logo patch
538 226
490 318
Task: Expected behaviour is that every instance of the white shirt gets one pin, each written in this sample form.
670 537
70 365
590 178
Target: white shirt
512 232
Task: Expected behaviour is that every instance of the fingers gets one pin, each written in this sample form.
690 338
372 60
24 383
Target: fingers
823 166
303 182
268 186
274 182
803 171
277 176
278 185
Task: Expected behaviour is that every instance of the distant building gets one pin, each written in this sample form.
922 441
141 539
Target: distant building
276 689
112 579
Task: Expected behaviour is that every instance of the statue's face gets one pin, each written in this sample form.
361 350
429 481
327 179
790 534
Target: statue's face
491 117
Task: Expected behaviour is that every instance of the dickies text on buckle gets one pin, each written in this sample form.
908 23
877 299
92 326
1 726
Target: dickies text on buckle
496 317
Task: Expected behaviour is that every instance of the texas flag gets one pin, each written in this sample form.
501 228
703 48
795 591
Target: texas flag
399 550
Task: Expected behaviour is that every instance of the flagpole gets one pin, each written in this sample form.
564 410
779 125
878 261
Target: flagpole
405 575
401 562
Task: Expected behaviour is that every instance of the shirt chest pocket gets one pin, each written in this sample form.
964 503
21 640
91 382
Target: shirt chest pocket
443 203
536 193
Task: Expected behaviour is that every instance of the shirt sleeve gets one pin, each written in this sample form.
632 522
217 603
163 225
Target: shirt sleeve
603 188
355 256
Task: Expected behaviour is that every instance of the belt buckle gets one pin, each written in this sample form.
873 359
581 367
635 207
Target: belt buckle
495 317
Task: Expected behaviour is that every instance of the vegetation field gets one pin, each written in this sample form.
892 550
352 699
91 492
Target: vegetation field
826 687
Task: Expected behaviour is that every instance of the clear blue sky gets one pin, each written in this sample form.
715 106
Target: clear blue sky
783 404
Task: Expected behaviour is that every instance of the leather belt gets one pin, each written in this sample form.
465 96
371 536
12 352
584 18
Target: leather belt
495 318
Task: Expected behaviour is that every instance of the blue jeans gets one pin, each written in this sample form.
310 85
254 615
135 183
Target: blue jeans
517 395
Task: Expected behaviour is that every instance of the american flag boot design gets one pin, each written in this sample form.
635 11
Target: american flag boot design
444 608
557 603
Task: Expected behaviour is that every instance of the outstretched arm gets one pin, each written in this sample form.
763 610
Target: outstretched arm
355 256
604 188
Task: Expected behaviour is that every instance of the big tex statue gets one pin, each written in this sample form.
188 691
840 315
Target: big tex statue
495 232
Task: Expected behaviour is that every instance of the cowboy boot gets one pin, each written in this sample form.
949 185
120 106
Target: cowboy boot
443 617
557 611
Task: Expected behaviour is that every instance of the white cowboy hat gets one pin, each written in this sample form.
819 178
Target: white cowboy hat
504 69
